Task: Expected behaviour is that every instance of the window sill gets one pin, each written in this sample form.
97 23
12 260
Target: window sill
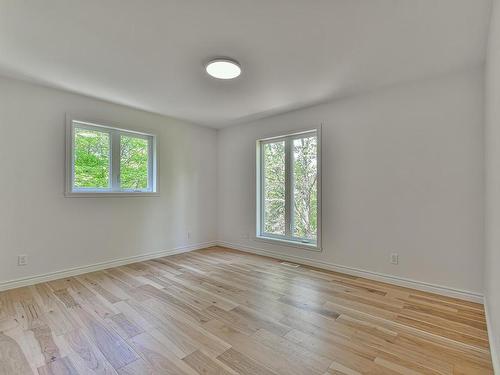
288 243
111 194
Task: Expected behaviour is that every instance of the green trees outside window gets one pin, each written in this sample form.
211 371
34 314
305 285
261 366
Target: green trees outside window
133 163
91 158
305 188
274 188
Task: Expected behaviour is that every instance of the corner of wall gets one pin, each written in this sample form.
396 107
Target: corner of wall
494 341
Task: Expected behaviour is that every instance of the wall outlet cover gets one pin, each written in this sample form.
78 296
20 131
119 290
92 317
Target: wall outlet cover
22 260
394 258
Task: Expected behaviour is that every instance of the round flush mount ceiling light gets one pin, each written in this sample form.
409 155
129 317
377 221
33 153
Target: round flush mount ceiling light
223 68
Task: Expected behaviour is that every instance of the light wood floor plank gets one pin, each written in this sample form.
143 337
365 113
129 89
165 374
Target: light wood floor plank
12 359
221 311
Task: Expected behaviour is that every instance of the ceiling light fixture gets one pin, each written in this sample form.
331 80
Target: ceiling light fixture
223 68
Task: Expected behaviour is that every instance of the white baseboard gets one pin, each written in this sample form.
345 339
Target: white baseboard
414 284
25 281
390 279
491 337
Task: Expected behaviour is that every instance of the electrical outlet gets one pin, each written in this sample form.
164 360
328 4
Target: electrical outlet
245 236
188 235
395 258
22 260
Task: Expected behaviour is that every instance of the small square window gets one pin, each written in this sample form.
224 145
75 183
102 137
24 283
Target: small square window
106 160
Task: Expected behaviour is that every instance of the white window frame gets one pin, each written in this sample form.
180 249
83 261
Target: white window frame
114 156
288 239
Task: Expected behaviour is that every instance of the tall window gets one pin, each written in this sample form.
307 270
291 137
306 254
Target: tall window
103 160
288 187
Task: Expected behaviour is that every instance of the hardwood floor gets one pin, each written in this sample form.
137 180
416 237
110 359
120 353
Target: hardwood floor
219 311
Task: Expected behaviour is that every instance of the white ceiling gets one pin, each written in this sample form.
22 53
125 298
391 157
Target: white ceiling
149 54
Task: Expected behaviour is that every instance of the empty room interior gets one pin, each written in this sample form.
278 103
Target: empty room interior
201 187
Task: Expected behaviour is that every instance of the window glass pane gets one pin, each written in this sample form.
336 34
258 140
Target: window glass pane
305 188
134 153
274 187
91 156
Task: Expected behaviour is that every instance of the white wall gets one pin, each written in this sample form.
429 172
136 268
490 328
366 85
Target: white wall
57 232
402 172
492 222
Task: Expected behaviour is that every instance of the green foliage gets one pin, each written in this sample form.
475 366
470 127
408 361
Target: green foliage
305 193
91 159
274 187
133 163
